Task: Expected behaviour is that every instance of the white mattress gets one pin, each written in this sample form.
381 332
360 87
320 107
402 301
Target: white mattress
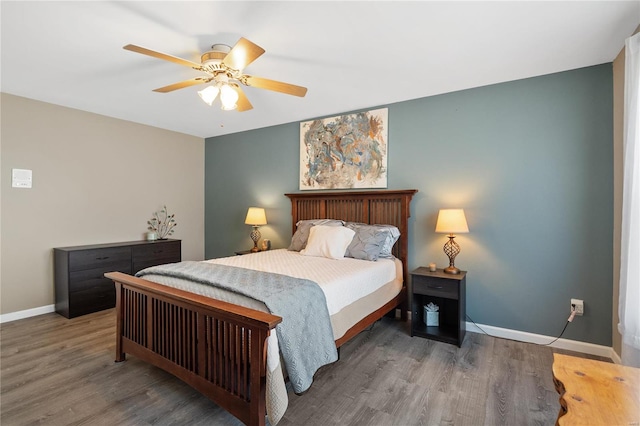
343 281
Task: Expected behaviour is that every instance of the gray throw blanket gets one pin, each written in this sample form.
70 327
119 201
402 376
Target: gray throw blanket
305 334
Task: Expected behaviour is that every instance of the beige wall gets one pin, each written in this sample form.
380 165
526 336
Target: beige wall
95 180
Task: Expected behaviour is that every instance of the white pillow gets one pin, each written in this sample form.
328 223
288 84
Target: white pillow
328 241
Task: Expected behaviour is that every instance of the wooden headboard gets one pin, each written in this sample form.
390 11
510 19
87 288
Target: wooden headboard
390 207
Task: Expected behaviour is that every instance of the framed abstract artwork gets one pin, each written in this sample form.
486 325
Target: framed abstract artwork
343 152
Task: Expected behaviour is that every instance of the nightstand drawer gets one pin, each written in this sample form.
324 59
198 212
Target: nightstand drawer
435 287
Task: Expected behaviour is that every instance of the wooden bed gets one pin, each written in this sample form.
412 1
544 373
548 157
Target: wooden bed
219 348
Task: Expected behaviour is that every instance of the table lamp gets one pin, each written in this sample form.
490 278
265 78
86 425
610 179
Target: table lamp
255 217
451 221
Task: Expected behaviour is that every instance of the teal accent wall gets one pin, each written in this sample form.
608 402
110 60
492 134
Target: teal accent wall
530 161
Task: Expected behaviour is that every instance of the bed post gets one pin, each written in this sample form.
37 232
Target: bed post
259 367
120 356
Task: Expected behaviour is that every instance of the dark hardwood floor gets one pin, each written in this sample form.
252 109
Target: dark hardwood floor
56 371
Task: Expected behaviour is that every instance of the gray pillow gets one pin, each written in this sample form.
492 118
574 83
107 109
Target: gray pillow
367 242
300 237
392 234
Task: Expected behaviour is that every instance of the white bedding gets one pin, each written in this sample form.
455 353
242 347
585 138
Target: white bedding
343 282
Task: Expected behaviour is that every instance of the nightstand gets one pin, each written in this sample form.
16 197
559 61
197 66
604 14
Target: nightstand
448 291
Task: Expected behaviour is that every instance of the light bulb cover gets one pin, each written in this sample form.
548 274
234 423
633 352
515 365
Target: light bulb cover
209 94
228 97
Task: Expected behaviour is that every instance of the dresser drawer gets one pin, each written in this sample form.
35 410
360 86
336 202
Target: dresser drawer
159 250
435 287
139 266
92 299
103 257
90 278
157 253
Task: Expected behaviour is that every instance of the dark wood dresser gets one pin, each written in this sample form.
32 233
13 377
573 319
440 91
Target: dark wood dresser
81 287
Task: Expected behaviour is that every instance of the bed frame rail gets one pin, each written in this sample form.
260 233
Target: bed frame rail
217 348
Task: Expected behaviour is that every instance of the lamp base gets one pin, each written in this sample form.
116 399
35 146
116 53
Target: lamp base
451 270
451 249
255 236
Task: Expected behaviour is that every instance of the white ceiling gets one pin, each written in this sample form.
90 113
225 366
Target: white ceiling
350 55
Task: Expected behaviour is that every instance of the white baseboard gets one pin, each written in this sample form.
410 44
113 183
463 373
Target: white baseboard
523 336
615 357
13 316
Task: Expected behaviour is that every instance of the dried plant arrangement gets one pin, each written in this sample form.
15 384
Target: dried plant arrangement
162 223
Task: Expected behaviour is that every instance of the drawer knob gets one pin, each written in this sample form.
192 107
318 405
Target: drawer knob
158 251
102 258
435 286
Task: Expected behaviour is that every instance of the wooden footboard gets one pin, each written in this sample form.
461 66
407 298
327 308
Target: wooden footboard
217 348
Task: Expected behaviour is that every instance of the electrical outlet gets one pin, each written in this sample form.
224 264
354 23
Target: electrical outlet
579 306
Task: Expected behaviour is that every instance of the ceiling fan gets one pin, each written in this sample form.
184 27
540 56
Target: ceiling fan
223 66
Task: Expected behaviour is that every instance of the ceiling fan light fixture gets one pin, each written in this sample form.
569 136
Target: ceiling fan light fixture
228 97
209 94
223 66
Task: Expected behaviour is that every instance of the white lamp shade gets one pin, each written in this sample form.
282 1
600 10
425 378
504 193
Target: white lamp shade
209 94
452 221
256 216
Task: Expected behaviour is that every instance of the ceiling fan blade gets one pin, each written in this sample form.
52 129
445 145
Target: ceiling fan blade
182 84
276 86
242 102
164 56
242 54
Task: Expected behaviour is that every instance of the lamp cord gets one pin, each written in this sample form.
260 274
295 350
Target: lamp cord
573 313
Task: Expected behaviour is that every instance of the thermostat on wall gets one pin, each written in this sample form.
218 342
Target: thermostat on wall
21 178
